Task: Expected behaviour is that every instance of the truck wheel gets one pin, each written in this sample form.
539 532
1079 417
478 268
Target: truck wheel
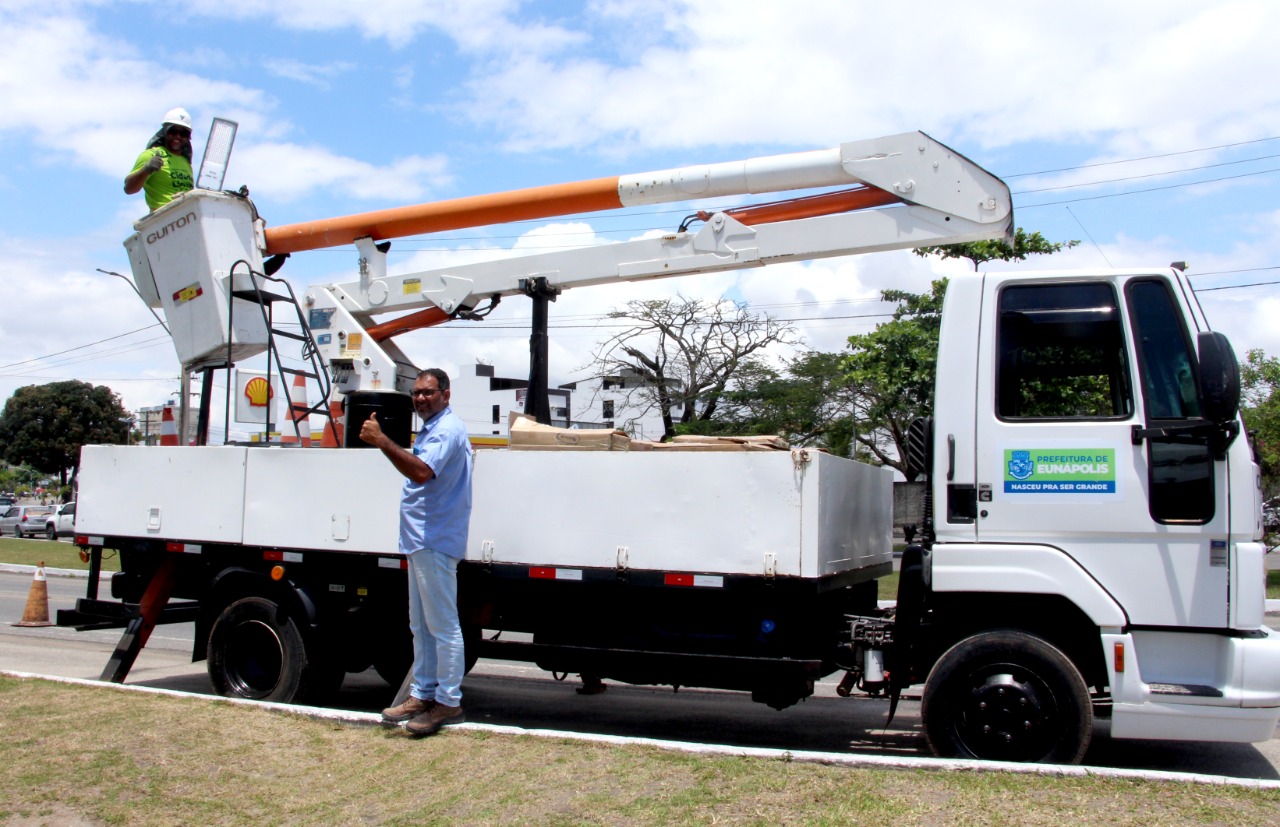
50 532
1007 696
256 651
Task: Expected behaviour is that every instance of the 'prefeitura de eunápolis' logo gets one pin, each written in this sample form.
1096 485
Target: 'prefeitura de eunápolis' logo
1060 471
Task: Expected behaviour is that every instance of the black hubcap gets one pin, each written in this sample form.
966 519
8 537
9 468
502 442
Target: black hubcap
255 657
1007 715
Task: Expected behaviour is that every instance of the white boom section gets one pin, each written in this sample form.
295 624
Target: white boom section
952 201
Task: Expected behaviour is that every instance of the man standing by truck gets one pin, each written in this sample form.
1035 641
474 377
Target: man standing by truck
435 511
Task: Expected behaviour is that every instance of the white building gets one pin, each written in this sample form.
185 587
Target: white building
485 400
624 401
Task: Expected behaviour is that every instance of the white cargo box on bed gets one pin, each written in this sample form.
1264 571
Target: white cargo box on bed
789 513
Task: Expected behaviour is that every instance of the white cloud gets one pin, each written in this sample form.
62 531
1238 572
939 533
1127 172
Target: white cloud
312 74
475 25
1143 76
287 171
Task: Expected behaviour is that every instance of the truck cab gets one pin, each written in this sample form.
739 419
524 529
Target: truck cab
1090 487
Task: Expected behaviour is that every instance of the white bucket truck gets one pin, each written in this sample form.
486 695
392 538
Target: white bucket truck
1091 545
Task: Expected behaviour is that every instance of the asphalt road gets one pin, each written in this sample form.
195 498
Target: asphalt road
515 694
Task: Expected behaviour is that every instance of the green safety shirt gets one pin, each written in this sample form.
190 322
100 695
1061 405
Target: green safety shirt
172 179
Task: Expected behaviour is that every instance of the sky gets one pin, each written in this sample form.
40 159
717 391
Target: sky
1148 131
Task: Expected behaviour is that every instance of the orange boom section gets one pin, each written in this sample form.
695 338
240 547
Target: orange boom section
437 216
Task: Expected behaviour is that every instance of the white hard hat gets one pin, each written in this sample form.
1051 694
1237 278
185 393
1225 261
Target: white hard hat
177 117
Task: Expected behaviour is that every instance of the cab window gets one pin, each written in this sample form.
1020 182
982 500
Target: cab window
1061 353
1179 466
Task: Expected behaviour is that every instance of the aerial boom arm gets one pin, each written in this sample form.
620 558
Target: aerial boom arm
923 194
912 167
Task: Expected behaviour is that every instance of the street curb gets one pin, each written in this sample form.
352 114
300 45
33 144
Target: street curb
800 756
18 568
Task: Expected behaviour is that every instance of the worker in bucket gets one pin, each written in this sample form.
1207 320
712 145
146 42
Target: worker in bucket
435 511
163 170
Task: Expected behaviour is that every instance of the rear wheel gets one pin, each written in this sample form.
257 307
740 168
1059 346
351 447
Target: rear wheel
17 532
1007 696
257 651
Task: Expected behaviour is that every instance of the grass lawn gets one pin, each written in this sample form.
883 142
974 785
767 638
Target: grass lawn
87 755
55 555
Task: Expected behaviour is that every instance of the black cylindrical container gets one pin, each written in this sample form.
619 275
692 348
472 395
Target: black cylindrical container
395 416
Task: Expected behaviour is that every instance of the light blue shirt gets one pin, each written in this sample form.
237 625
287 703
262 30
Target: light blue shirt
435 514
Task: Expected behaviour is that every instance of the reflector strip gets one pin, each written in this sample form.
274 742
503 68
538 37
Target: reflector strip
273 555
1119 658
393 562
87 540
183 548
546 573
703 581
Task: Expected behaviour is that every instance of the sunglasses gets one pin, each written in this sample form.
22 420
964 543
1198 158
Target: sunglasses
181 132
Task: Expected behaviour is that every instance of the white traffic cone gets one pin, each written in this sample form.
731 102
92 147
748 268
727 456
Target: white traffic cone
298 412
168 430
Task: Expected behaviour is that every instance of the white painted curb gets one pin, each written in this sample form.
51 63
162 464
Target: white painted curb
801 756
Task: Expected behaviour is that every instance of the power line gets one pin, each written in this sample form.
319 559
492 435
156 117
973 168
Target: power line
78 347
1149 189
1149 175
1143 158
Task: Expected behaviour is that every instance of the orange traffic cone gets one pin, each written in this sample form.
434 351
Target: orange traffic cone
298 412
37 611
333 433
168 430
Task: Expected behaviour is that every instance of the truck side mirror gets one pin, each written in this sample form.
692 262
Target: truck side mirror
1219 378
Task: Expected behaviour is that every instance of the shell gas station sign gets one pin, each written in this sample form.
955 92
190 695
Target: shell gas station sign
256 393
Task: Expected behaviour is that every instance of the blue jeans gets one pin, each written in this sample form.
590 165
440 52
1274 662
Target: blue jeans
439 659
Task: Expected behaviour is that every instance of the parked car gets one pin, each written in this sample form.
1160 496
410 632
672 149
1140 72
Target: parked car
7 500
25 520
61 523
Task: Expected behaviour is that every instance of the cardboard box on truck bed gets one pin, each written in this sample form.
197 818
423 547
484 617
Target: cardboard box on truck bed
528 435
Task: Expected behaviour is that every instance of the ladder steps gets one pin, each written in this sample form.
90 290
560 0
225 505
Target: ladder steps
288 335
260 296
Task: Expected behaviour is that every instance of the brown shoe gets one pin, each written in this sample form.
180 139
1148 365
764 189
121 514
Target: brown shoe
439 715
411 707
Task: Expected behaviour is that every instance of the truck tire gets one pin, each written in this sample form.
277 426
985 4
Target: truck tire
1005 695
257 651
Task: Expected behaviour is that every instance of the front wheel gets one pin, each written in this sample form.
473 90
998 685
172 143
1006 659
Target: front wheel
17 532
51 532
1006 695
257 651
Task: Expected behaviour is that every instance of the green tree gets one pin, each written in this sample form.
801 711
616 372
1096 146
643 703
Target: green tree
1260 405
682 354
44 426
980 252
809 402
892 370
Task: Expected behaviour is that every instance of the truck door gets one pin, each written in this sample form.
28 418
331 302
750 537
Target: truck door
1073 369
